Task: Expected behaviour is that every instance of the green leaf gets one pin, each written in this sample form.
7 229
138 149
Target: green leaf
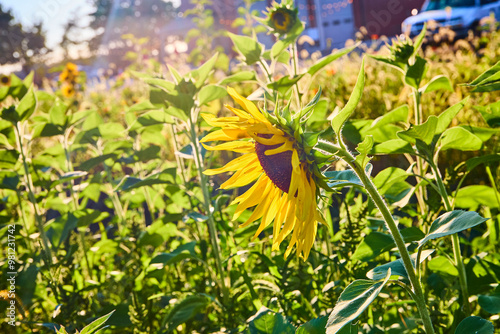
460 139
27 105
249 48
285 83
442 264
377 243
269 322
399 114
94 326
419 39
425 132
438 82
353 301
186 309
491 303
239 77
476 325
68 177
322 62
416 72
488 81
472 196
142 106
364 149
339 119
8 158
345 178
387 177
155 82
92 162
393 146
445 118
180 253
201 74
128 182
397 267
452 222
177 113
315 326
485 159
482 133
209 93
490 113
57 113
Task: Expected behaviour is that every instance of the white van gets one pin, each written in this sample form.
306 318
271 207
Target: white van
459 15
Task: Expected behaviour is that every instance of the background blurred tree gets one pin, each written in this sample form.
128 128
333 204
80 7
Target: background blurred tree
18 44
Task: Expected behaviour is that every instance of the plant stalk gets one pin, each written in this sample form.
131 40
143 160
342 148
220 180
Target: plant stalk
206 202
31 195
462 276
398 239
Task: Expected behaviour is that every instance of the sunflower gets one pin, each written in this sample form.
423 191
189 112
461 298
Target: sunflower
70 73
4 80
68 90
282 18
281 166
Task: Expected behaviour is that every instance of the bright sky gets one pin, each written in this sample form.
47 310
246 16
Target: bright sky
53 13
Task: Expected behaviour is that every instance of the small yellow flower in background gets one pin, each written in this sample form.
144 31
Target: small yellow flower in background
5 80
69 74
68 90
285 176
282 18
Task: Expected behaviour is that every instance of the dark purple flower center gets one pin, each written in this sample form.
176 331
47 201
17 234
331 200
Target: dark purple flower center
278 167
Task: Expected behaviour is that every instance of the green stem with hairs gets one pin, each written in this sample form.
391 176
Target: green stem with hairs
462 276
208 210
31 195
398 239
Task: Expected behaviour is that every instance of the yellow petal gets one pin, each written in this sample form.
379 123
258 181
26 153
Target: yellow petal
270 213
243 177
247 105
236 146
225 135
233 165
287 146
253 196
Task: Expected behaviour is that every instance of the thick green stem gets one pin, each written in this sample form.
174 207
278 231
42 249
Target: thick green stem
398 239
206 202
462 276
31 195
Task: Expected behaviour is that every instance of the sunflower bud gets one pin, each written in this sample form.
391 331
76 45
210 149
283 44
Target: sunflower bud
282 18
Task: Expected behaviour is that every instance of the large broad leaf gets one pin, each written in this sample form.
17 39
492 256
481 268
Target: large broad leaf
186 309
445 118
471 197
339 119
94 326
239 77
345 178
491 303
249 48
416 72
425 132
315 326
399 114
488 81
210 93
393 146
182 252
321 63
475 325
201 74
460 139
269 322
353 301
396 267
485 159
128 182
285 83
490 113
443 265
27 105
377 243
387 177
452 222
438 82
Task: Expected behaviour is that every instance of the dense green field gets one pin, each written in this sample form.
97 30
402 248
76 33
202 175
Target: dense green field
360 192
